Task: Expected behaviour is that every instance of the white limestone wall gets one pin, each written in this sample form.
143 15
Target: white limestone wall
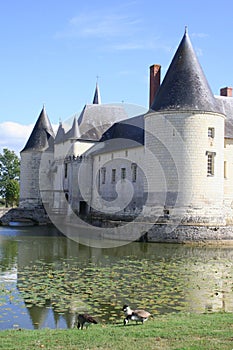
71 147
60 183
81 180
80 147
228 179
176 163
122 196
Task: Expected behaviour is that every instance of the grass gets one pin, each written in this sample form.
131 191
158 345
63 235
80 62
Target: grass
175 331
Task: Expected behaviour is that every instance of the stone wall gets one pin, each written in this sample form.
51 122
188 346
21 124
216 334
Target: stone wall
176 146
190 234
29 179
36 216
117 195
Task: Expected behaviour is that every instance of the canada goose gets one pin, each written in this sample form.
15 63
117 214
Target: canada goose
135 315
85 318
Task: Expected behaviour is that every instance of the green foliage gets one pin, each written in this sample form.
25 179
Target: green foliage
168 332
9 176
12 192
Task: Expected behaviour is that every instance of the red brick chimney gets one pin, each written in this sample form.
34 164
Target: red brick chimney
155 73
227 91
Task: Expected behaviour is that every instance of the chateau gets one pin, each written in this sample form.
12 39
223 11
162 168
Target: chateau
172 164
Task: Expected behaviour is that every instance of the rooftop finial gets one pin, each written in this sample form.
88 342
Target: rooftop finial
186 30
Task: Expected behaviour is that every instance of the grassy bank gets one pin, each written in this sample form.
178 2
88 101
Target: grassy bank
192 331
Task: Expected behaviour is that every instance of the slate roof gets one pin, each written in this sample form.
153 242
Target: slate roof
130 129
95 119
60 134
122 135
74 132
226 107
92 122
184 86
42 136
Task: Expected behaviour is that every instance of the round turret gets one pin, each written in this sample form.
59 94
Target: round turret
184 144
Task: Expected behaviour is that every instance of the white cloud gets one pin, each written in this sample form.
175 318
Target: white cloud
112 29
199 35
100 24
151 44
14 135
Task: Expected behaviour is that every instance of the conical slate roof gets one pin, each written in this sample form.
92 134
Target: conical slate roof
42 136
60 134
185 86
97 99
74 132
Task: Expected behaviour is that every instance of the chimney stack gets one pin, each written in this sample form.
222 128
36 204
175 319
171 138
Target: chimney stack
155 72
227 91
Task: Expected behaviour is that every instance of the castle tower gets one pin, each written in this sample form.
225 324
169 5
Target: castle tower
184 144
39 146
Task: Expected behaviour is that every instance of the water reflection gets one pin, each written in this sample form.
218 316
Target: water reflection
164 277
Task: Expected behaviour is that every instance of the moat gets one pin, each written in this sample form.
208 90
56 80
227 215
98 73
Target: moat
46 278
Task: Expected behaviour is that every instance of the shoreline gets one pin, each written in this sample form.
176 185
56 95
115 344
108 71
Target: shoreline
156 232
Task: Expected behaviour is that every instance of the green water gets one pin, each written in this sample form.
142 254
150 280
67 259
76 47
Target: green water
46 279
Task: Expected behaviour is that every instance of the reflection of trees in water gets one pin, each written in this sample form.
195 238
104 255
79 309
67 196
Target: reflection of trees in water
8 253
39 316
210 287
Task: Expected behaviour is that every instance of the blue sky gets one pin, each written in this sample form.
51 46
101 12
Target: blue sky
52 52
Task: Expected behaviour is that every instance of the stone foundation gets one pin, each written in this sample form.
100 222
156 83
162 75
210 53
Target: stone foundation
150 232
190 233
36 216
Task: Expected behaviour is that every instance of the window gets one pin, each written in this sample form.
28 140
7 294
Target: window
123 173
103 175
134 172
210 163
66 170
126 153
113 176
225 170
211 133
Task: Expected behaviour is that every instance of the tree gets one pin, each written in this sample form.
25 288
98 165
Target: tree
12 193
9 176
